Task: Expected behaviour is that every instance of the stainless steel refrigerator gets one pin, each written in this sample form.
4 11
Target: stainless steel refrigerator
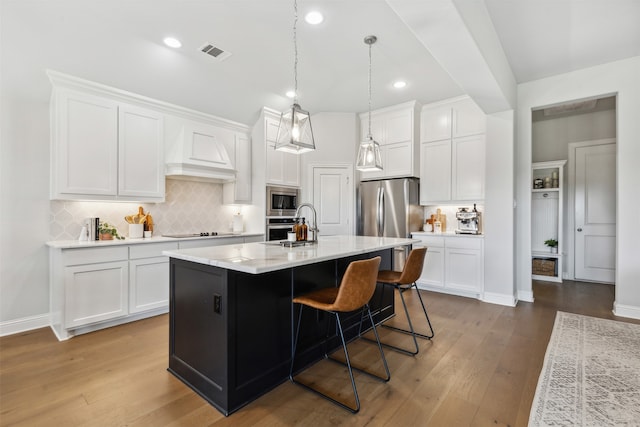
390 208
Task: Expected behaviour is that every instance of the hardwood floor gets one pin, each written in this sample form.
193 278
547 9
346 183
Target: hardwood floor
481 369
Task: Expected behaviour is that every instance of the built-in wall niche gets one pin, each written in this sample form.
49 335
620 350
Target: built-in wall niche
546 220
450 212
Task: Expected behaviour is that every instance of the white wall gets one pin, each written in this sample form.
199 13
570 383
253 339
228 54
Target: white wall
335 135
498 219
551 138
24 205
620 78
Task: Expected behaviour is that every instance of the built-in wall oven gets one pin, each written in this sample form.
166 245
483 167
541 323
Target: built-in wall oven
277 227
282 201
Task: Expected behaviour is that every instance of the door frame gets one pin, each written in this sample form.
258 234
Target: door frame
571 200
351 169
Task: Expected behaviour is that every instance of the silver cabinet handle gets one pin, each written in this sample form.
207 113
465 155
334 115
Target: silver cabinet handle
579 228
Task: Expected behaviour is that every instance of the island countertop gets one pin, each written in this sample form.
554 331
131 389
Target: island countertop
263 257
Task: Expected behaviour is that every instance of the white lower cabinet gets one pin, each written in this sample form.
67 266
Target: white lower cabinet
433 269
148 277
96 287
453 265
95 284
95 292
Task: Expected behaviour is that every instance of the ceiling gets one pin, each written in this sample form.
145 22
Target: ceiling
119 43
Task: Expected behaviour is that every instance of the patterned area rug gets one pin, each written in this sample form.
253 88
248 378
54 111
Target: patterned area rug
591 374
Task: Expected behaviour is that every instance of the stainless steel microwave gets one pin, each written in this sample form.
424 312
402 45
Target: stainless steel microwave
282 201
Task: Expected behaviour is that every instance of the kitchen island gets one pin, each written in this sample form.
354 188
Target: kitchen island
231 317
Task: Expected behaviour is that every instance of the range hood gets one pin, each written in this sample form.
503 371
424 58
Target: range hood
200 154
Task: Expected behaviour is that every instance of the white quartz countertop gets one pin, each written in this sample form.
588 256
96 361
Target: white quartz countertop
71 244
445 234
263 257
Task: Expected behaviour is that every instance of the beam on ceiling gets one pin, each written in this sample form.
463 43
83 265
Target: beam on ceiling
461 37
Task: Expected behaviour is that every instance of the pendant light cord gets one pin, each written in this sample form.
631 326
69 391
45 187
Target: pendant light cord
295 53
370 89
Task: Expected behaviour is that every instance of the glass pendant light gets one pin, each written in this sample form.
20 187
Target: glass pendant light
369 158
294 132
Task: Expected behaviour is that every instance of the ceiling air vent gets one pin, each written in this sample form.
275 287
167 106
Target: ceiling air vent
215 52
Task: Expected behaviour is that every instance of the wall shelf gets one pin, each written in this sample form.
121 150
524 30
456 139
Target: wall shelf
546 220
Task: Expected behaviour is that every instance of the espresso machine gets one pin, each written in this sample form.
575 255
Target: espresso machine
469 222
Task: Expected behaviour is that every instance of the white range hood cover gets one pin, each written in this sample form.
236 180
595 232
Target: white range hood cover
199 155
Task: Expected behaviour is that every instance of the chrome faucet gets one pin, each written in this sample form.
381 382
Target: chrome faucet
315 220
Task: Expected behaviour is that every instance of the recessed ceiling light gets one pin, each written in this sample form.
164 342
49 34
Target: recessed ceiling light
400 84
172 42
291 94
314 18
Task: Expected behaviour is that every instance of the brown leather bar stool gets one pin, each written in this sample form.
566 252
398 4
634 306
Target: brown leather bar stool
356 289
404 281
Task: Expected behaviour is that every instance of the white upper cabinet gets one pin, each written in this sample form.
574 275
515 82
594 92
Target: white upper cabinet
84 146
140 153
103 148
467 174
281 168
239 191
452 158
467 119
396 130
435 123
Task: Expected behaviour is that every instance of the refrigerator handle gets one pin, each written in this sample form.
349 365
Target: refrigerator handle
380 212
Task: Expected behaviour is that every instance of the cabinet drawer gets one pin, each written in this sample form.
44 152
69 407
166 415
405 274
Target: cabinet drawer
202 243
94 255
429 241
151 250
464 242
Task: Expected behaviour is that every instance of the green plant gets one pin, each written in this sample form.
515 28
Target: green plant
552 243
106 228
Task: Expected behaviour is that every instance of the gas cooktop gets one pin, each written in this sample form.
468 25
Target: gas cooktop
203 234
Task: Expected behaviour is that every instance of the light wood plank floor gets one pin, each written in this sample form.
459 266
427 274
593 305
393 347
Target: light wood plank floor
480 370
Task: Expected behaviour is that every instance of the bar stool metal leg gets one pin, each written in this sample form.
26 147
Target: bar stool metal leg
347 362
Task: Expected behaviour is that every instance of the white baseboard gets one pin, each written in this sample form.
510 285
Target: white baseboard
526 296
630 311
500 299
15 326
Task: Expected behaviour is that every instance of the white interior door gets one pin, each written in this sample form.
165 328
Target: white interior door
333 199
595 213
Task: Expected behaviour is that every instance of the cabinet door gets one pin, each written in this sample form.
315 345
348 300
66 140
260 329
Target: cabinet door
148 284
463 269
468 119
271 125
275 165
239 191
435 124
433 268
435 172
398 126
85 143
398 159
95 292
281 168
468 168
291 169
141 153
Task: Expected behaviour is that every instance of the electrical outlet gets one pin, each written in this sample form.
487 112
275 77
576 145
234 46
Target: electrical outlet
217 303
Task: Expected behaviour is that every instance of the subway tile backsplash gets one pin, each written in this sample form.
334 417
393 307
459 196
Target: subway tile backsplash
189 207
